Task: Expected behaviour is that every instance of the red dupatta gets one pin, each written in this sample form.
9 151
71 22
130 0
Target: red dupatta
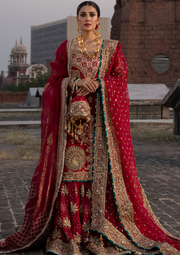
138 225
47 177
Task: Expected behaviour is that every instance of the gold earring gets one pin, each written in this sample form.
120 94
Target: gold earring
98 32
78 29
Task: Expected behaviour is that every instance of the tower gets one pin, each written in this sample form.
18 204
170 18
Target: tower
150 37
18 62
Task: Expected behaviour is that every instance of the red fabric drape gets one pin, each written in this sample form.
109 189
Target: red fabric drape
119 107
44 184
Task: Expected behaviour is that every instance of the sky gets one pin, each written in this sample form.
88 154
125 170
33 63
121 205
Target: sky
17 16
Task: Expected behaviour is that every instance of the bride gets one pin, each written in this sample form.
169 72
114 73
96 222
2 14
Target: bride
85 195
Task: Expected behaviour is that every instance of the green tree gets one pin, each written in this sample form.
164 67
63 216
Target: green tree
39 81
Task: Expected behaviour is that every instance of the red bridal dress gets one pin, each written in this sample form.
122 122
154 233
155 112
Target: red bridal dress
86 197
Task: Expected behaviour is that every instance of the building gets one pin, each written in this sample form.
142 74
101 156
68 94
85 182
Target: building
18 63
4 81
172 99
46 38
149 32
35 69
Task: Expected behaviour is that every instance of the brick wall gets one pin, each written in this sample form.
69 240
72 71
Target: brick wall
148 28
12 97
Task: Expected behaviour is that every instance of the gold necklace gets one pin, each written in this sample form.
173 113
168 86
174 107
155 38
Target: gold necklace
83 47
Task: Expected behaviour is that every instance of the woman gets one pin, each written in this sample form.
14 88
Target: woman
85 194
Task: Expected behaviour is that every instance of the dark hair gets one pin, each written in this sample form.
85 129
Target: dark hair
90 3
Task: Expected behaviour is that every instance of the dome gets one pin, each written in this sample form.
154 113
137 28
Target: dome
14 49
21 48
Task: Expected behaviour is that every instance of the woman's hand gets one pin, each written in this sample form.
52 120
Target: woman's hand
87 86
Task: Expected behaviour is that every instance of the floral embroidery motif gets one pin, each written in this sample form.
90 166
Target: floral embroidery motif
74 208
88 194
95 239
85 226
75 158
77 238
75 73
66 222
64 190
82 190
46 85
78 161
86 65
56 234
90 99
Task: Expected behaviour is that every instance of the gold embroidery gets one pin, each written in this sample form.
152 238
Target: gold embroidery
77 238
85 173
85 227
75 73
50 139
99 184
66 222
64 190
125 207
77 176
59 247
56 234
90 99
75 158
88 194
46 85
86 209
100 168
82 190
88 142
74 208
76 191
86 65
49 143
107 53
95 239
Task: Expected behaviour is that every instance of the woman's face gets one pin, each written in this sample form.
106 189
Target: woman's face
88 18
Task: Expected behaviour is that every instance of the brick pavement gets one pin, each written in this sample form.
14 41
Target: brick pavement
158 166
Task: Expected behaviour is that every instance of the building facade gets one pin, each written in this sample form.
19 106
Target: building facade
46 38
149 32
18 63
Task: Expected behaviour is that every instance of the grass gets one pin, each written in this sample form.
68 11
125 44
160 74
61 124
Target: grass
157 135
157 149
19 138
28 152
21 145
152 134
6 155
19 114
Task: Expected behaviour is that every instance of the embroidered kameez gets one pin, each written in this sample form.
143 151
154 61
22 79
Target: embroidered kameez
86 196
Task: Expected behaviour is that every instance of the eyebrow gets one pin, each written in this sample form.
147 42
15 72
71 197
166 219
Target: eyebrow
89 12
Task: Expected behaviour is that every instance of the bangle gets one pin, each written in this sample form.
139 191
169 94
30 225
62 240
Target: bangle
75 84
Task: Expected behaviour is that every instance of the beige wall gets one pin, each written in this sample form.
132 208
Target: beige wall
72 28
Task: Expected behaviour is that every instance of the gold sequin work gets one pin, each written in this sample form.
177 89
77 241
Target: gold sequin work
75 158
